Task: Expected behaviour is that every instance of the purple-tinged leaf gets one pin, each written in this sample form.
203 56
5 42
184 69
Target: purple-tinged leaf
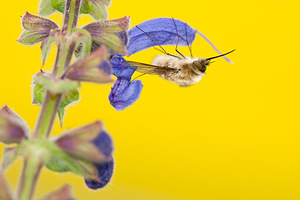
64 193
5 191
36 28
124 93
92 68
163 31
12 128
79 143
8 157
105 172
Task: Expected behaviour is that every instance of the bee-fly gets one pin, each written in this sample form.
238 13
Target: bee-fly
181 70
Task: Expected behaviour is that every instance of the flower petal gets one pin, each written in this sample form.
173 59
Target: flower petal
105 172
120 70
124 93
163 31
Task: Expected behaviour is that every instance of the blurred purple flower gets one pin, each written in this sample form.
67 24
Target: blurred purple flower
104 170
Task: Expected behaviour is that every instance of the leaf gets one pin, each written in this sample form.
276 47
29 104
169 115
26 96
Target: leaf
63 193
45 8
67 87
58 5
86 7
8 157
68 98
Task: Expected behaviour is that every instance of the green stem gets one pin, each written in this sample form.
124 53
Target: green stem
66 46
31 169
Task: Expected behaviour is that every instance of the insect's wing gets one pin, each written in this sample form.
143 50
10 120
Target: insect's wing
146 68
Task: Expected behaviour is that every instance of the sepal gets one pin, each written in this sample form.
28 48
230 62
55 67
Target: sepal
56 85
100 11
45 8
111 33
5 191
92 68
58 5
84 45
54 158
36 29
64 193
12 128
9 155
79 143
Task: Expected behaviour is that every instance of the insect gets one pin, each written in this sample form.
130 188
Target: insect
179 69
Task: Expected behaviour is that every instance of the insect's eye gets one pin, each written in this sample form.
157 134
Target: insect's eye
200 66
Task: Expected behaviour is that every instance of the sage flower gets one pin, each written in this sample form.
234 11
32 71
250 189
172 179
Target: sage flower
162 31
105 169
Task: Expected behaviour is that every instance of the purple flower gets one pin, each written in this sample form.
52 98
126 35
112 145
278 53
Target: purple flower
105 172
164 31
104 169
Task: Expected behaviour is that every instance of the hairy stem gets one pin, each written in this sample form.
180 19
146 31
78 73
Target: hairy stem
66 45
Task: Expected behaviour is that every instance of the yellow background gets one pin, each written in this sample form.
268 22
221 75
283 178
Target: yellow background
232 136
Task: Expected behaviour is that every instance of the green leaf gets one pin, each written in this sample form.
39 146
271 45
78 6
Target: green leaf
67 99
86 7
45 8
58 5
99 11
69 96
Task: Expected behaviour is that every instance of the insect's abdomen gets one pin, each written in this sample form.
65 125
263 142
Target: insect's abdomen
184 75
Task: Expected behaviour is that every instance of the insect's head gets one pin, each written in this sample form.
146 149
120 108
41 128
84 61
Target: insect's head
201 64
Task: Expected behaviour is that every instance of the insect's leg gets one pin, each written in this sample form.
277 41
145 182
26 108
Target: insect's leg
140 75
177 39
158 49
157 43
187 42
